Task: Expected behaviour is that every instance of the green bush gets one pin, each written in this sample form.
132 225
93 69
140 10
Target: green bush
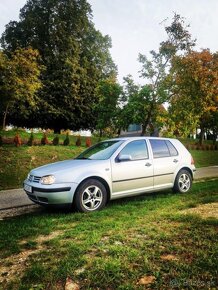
67 140
31 140
55 141
1 140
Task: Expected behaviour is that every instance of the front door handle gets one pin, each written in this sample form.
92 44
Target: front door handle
175 160
148 164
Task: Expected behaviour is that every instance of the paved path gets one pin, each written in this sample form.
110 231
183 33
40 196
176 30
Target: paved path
13 198
206 172
18 198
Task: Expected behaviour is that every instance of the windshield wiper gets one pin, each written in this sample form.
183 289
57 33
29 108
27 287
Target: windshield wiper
83 158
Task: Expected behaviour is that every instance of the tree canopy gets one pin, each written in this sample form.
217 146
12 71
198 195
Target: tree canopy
75 56
195 91
19 82
56 72
144 103
108 92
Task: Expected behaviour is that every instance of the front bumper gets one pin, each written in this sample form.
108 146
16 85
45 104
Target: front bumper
55 194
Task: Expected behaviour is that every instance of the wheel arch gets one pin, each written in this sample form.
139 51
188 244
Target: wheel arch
187 169
102 180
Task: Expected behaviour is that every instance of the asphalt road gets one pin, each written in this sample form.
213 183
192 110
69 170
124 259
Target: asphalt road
15 198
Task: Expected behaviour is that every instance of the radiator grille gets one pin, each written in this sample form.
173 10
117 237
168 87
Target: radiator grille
33 178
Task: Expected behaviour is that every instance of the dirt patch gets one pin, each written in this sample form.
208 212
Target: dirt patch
43 238
204 210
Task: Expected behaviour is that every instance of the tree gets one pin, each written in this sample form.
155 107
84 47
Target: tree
108 92
155 71
125 113
19 80
76 57
136 107
195 90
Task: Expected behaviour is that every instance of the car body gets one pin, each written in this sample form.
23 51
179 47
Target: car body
112 169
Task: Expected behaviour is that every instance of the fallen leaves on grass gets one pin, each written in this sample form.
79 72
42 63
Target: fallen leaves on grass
54 157
146 280
71 285
169 257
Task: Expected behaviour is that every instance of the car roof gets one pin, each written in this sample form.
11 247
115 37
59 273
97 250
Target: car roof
137 138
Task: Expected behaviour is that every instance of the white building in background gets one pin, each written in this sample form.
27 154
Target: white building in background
85 133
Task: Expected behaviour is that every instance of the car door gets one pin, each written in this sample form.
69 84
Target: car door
165 161
132 169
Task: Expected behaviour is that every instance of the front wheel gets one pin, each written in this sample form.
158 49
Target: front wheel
183 181
91 195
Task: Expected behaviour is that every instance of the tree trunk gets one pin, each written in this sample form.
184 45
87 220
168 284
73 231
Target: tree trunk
100 135
201 136
215 134
145 124
144 127
4 117
118 132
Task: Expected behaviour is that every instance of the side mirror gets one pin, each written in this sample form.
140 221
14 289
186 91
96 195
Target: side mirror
123 158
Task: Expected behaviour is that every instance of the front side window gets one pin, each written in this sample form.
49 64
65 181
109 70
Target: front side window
163 148
136 150
101 151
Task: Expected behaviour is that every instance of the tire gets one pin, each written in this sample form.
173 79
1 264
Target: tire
91 195
183 181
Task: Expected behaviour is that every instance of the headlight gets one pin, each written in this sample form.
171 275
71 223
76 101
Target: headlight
48 179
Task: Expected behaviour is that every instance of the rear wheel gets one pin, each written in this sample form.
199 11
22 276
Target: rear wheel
183 181
90 196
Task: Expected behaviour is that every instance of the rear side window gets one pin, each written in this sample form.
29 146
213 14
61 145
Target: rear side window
172 149
163 148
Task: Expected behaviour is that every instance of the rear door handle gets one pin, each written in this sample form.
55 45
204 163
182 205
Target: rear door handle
148 164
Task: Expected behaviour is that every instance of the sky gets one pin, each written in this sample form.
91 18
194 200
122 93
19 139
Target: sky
137 26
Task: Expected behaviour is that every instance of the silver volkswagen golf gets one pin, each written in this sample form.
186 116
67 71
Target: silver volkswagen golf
112 169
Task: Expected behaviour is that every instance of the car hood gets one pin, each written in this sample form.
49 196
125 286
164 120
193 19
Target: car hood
64 166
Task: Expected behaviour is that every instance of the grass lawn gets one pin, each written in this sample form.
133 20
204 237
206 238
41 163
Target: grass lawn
205 158
156 241
16 162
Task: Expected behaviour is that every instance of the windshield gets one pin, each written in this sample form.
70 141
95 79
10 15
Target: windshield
101 151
